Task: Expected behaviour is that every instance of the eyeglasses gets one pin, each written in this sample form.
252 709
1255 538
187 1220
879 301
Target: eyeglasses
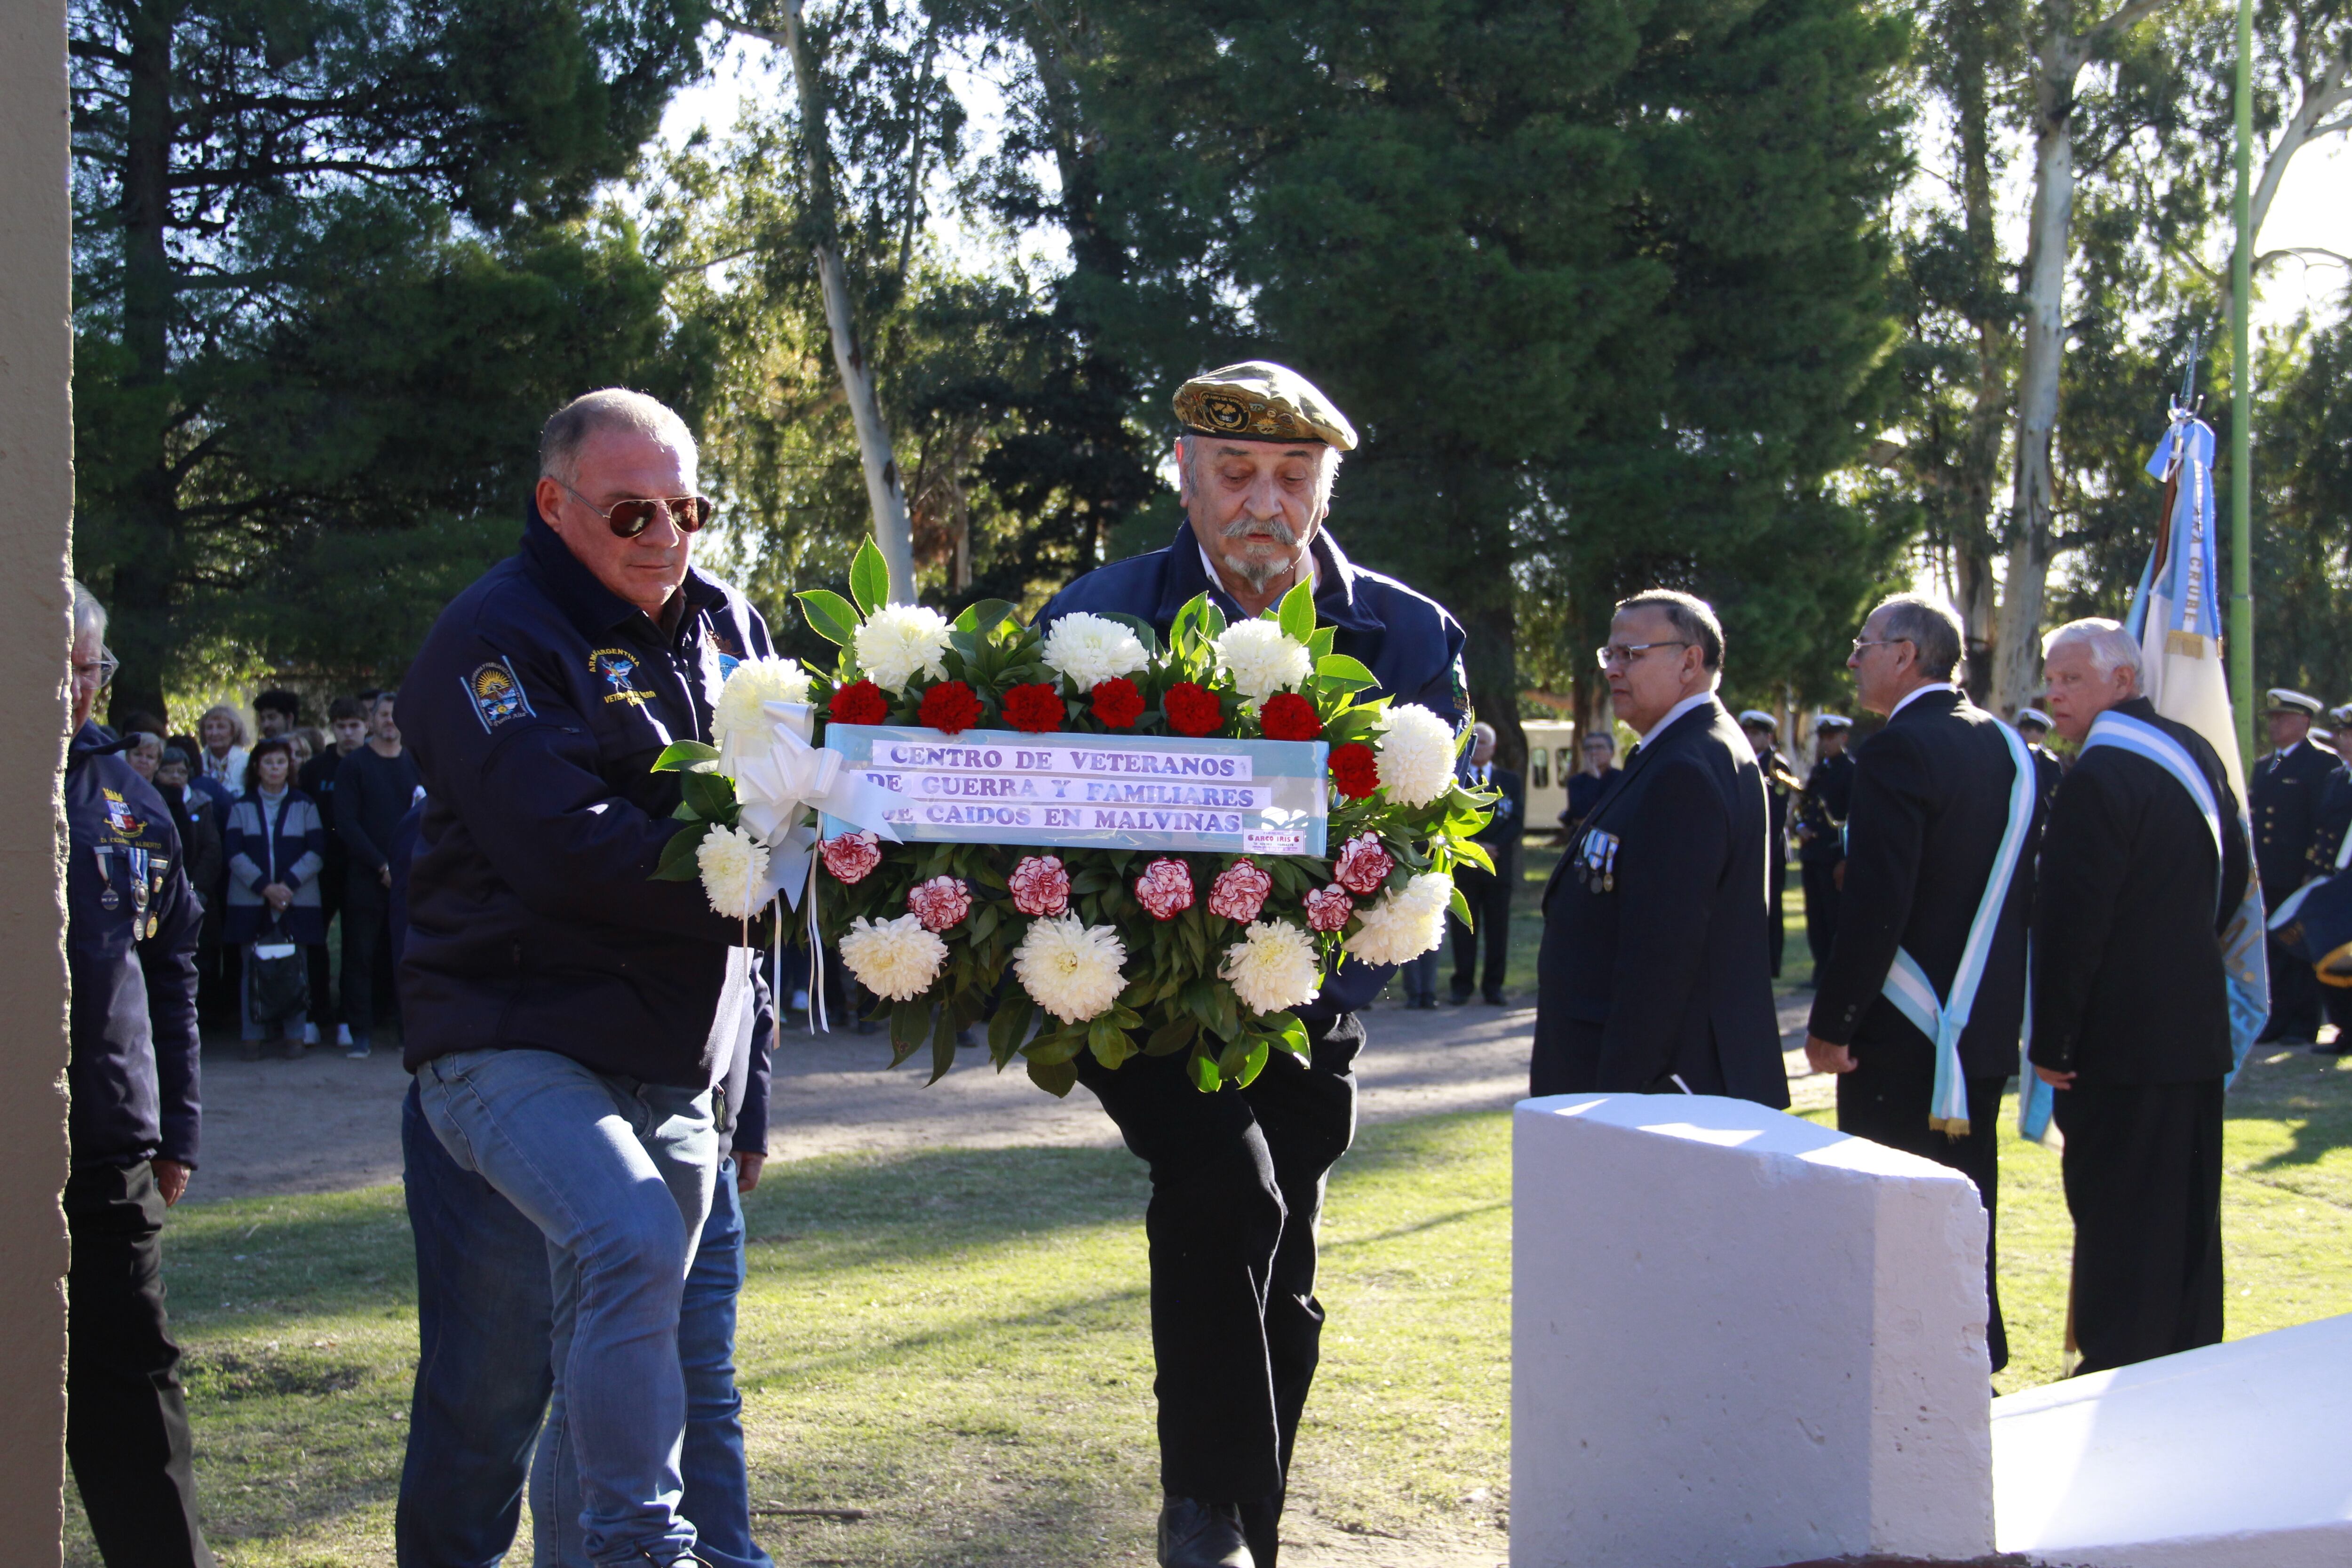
628 518
1626 653
1884 642
103 669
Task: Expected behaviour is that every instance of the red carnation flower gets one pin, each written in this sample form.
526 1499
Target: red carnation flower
1287 716
852 857
1239 892
1165 889
1034 709
1192 710
1118 703
1364 866
1041 885
1354 769
1327 908
940 903
950 708
859 703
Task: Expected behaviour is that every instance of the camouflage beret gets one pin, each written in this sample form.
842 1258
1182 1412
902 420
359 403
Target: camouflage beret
1259 400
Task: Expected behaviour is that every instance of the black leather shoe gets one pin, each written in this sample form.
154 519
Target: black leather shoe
1195 1534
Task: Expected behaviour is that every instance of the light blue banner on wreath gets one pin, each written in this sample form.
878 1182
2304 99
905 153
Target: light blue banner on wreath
1162 793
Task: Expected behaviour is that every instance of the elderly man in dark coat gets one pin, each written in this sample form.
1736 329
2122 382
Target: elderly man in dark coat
1654 976
1938 891
2142 864
1238 1176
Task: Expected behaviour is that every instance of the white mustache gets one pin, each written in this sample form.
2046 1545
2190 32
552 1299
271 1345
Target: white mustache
1272 528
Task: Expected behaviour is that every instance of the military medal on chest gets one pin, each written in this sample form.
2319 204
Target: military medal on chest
1597 868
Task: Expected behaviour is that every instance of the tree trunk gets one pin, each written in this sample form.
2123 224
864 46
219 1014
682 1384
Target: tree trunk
1980 455
140 592
885 497
2017 658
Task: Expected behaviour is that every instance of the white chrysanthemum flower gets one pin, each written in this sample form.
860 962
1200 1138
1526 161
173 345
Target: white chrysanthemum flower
897 641
1416 754
1403 925
1263 660
1273 967
740 725
896 959
1091 649
734 871
1070 969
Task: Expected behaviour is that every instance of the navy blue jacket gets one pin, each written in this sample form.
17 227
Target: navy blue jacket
1408 640
133 1070
535 709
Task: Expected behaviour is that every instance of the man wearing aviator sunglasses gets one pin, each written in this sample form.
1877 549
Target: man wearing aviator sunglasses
572 1024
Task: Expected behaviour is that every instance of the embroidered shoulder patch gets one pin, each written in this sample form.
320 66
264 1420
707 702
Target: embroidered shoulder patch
496 693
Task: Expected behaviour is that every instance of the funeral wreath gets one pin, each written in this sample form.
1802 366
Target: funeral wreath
1060 946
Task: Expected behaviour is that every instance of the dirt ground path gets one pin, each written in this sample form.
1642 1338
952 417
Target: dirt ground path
327 1124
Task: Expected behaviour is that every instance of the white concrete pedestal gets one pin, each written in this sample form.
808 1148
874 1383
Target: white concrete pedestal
1740 1340
2229 1456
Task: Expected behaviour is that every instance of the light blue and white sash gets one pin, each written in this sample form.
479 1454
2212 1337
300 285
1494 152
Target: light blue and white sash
2137 736
1914 995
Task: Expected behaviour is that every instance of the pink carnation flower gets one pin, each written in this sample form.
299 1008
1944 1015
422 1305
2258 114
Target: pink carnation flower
1165 889
1041 885
941 902
851 856
1363 865
1239 892
1327 908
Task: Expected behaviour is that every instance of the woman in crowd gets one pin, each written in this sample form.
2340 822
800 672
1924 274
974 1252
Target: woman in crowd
224 756
144 752
198 820
276 846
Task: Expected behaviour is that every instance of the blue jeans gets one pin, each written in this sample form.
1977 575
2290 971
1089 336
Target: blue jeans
617 1176
483 1377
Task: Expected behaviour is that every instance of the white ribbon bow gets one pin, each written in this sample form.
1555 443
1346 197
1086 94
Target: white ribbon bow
781 785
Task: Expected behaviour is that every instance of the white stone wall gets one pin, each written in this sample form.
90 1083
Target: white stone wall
1740 1340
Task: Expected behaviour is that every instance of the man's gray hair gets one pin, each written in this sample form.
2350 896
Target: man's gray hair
2110 645
1692 618
610 408
88 615
1927 624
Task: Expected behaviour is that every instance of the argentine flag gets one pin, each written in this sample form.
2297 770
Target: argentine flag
2176 613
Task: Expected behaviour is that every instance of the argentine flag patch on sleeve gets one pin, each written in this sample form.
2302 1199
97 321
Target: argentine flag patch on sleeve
497 694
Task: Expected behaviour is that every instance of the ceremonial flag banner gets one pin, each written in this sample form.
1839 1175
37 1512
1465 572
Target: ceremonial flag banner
2175 615
1086 837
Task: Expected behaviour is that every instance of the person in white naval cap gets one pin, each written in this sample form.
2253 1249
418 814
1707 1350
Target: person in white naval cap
2284 796
2049 767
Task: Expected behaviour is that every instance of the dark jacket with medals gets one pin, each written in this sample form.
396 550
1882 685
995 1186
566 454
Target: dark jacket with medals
1653 964
131 953
535 711
1930 803
1822 810
2128 984
1409 641
2287 790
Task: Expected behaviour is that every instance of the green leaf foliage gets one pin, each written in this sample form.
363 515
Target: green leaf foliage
869 579
830 615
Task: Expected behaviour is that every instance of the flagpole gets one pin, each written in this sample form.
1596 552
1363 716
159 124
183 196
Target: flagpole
2241 407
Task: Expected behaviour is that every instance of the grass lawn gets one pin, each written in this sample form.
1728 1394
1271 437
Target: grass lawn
955 1341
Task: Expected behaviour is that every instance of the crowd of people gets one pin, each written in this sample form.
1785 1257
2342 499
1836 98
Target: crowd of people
285 827
590 1047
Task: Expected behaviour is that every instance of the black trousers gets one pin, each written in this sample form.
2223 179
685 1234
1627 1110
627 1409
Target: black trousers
1488 894
2143 1173
1236 1190
1885 1100
2295 997
1821 899
367 950
330 900
1775 936
126 1420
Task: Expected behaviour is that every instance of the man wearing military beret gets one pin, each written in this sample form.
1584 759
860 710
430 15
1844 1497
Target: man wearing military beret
1238 1176
2286 790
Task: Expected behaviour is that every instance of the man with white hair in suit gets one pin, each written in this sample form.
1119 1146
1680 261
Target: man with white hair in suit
2143 863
